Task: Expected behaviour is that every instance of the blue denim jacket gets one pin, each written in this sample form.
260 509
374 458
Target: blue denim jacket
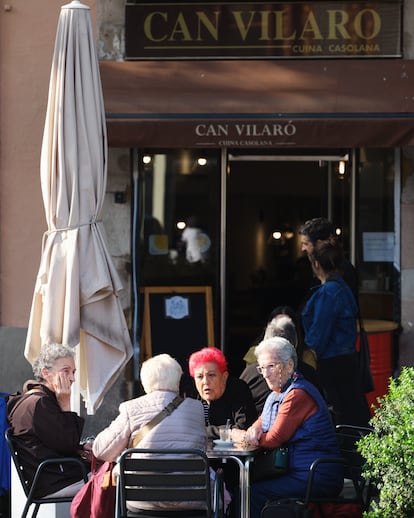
329 319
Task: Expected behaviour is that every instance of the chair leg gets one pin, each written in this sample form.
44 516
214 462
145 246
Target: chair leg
36 510
26 509
320 510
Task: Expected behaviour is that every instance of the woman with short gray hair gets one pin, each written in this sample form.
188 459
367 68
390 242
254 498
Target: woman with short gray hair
279 348
294 416
44 425
48 356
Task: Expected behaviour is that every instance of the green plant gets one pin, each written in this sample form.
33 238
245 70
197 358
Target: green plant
389 450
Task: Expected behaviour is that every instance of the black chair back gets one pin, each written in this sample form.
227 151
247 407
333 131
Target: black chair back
17 464
360 491
167 477
29 487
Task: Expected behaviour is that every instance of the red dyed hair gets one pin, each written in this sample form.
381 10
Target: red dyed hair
205 355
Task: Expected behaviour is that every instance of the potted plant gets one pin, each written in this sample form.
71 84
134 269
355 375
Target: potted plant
389 450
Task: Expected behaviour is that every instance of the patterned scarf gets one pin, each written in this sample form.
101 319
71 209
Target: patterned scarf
270 410
272 403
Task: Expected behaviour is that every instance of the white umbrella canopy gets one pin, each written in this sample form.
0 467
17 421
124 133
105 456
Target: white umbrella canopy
76 299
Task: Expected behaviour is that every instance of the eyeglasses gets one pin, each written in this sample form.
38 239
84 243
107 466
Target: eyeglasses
271 367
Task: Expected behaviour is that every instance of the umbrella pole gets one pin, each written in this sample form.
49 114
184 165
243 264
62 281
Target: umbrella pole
135 276
75 391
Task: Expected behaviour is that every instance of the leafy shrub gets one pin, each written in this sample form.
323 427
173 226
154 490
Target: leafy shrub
389 450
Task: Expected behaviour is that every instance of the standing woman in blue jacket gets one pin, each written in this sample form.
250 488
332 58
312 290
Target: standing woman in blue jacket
329 322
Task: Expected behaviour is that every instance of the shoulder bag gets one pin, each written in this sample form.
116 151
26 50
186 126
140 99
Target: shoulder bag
270 464
97 497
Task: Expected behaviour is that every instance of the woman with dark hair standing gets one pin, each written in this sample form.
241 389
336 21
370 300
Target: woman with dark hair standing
329 321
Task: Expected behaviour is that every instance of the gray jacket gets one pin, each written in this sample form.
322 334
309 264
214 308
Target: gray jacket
184 428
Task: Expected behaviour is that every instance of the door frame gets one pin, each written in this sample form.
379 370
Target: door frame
226 157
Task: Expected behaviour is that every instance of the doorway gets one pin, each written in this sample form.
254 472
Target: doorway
248 208
269 197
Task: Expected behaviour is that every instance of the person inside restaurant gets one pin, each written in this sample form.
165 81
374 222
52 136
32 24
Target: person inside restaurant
295 416
44 426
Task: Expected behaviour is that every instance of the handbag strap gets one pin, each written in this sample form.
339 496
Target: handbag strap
168 410
361 323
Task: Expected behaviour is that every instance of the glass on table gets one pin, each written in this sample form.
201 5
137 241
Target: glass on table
225 433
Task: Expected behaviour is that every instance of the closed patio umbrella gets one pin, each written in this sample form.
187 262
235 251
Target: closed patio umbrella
76 299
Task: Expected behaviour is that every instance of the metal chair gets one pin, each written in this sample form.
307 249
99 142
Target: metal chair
357 490
167 476
348 435
30 487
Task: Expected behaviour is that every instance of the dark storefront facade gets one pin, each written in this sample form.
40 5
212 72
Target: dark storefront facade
249 146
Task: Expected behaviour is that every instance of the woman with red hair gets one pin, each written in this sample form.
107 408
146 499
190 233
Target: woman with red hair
224 398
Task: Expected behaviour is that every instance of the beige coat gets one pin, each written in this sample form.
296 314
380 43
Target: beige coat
184 428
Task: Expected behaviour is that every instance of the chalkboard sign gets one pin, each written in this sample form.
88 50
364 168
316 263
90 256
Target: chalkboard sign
177 320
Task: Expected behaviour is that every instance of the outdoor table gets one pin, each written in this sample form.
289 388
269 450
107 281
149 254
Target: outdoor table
242 455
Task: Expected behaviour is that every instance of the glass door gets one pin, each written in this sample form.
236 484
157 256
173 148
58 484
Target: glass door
230 221
176 221
268 198
378 230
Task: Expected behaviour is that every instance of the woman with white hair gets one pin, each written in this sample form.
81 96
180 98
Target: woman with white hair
183 428
295 416
282 325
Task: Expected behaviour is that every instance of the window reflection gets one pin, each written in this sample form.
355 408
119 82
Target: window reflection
179 196
376 244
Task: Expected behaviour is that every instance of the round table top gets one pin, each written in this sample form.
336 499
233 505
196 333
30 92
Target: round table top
379 326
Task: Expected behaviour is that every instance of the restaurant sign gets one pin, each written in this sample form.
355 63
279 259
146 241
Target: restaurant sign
262 30
363 131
